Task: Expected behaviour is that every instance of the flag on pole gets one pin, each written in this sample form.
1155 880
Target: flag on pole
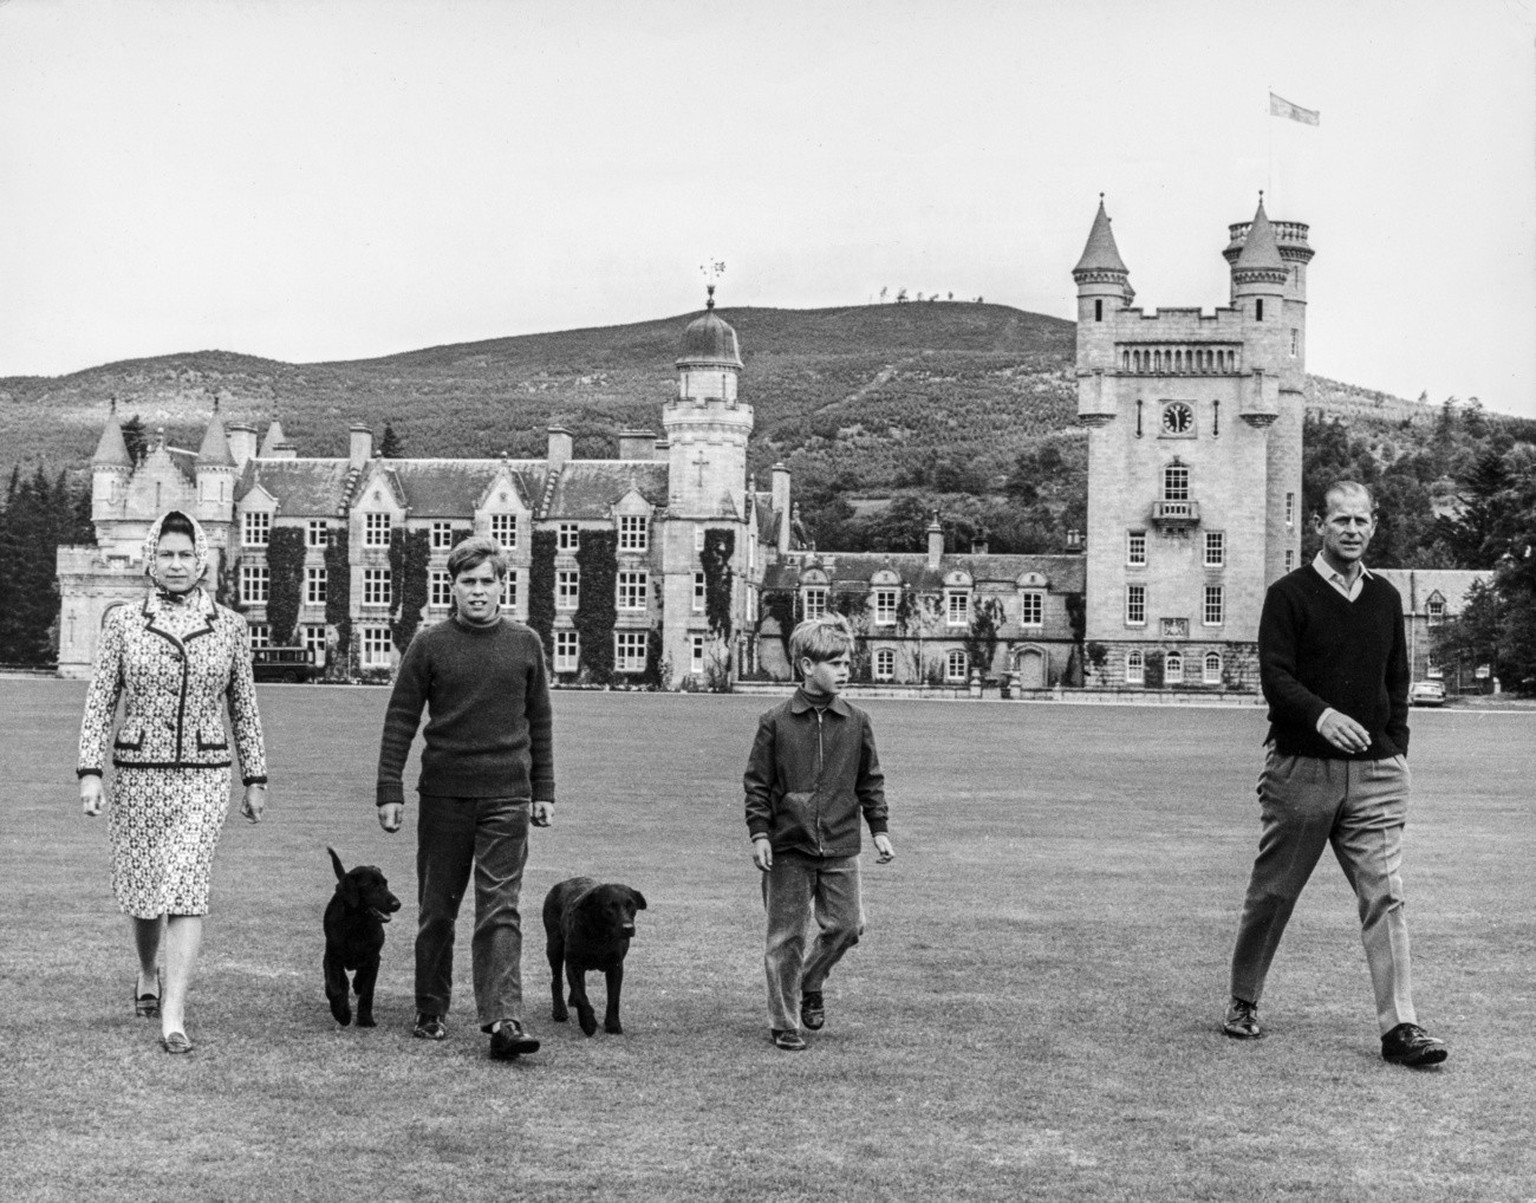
1279 107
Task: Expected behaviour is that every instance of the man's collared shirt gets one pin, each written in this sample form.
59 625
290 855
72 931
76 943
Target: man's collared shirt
1326 570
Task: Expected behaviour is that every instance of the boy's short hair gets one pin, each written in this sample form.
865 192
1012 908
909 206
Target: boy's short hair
820 639
473 552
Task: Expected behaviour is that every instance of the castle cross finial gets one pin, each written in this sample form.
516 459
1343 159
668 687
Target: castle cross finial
711 271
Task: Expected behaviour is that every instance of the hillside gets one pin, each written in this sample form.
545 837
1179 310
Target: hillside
860 399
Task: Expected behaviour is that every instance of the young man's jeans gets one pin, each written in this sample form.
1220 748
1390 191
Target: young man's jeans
492 835
797 887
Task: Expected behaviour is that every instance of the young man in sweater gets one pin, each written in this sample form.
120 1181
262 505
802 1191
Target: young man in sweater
487 773
1334 666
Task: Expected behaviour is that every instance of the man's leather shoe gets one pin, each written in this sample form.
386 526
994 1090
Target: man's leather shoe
1242 1020
429 1027
509 1040
813 1014
789 1040
1409 1044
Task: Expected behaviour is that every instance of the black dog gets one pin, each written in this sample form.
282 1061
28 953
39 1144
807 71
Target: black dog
588 926
354 935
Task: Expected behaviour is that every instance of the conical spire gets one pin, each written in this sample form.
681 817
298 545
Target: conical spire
214 453
1101 254
274 438
1260 250
112 450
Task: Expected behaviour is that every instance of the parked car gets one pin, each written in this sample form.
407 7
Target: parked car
284 664
1427 693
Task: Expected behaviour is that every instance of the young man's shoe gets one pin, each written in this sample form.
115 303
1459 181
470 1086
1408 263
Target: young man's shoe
1242 1020
1409 1044
429 1027
789 1040
812 1013
509 1040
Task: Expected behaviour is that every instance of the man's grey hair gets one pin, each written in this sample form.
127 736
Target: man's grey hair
1343 487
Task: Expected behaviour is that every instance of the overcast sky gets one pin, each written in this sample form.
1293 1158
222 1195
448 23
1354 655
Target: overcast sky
311 181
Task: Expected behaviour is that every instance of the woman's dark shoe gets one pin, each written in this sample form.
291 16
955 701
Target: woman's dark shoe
176 1042
147 1006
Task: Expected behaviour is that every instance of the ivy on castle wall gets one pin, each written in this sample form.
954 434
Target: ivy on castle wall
227 591
981 638
656 667
285 570
781 605
409 553
853 605
719 546
338 604
596 609
541 590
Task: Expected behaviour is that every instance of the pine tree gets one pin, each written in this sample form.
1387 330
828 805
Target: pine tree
391 446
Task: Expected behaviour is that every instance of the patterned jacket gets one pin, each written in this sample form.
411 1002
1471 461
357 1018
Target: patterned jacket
175 686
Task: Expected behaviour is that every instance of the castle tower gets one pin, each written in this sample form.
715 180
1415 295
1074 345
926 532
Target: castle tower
111 469
215 474
1194 459
706 429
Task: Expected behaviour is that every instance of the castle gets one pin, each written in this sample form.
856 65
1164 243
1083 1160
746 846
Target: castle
667 564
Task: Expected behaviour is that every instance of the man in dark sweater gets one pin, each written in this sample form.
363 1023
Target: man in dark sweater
487 773
1334 666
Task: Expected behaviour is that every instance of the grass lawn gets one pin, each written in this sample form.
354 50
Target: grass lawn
1032 1014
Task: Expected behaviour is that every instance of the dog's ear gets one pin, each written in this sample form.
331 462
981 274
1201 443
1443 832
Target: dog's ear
638 897
351 893
336 860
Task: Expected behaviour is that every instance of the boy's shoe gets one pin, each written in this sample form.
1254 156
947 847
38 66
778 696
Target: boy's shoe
509 1041
429 1027
789 1040
1409 1044
1242 1020
812 1013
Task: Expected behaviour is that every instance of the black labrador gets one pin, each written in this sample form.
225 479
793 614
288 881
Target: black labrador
588 926
354 936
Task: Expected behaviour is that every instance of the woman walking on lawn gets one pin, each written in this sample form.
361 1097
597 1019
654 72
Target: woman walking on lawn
175 657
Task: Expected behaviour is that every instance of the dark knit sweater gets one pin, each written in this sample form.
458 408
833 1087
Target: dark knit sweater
1318 649
489 724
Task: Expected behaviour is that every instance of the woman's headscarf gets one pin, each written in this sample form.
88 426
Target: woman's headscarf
152 548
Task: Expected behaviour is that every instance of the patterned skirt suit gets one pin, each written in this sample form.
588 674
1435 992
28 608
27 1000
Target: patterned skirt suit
174 661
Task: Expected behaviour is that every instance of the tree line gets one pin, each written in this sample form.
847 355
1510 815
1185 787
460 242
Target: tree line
38 516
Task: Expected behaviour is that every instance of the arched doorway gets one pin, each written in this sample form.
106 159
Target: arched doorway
1029 667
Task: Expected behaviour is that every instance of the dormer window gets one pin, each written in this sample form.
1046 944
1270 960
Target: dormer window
504 530
634 532
255 528
376 530
1434 610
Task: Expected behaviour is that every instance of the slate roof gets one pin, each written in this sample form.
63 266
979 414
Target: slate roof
452 488
1101 253
589 488
1260 251
215 449
300 486
852 570
1417 584
112 449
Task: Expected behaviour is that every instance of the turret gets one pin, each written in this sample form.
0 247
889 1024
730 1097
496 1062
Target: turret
1103 288
706 426
216 472
274 439
1259 278
111 468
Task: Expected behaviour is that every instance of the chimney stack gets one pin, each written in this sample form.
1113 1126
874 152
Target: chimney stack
637 444
559 447
781 503
362 445
935 541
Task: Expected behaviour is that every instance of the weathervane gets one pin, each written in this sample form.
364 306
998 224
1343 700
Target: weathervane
711 271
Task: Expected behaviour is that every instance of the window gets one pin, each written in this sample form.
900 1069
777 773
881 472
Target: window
629 651
439 589
375 646
504 530
1215 606
567 651
698 593
568 537
442 536
1176 482
314 586
1215 548
255 528
1212 673
317 534
955 666
1258 309
1098 309
376 530
957 607
886 603
1290 559
634 532
696 649
567 589
1136 548
698 538
261 635
1135 605
885 664
254 583
1031 608
1434 611
1295 341
1173 669
1135 668
312 635
376 591
509 590
633 587
1290 510
815 602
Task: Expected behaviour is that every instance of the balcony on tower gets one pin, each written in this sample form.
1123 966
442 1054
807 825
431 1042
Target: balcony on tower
1175 509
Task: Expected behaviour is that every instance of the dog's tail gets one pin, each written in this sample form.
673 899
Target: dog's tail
336 860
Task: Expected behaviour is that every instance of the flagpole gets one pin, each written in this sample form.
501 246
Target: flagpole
1269 182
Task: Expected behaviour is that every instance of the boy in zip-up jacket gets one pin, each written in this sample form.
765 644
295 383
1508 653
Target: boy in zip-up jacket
813 768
